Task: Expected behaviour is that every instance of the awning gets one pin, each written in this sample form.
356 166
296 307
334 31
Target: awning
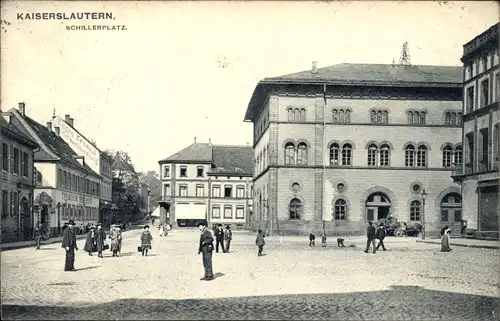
156 212
190 211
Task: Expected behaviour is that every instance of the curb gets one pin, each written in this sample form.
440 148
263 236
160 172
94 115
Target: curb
491 247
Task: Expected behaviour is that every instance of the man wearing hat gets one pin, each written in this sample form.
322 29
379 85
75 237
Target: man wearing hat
206 248
100 239
370 237
69 244
380 234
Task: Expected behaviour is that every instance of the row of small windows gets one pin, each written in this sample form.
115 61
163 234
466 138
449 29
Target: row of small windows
15 160
453 118
216 191
228 211
416 117
296 114
341 155
76 183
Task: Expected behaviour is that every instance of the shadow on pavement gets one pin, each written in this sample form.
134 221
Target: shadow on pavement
399 303
89 268
218 275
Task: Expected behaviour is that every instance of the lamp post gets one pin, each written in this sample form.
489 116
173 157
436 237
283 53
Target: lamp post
424 196
268 223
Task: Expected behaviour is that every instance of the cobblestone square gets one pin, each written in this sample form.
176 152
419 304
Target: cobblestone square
410 281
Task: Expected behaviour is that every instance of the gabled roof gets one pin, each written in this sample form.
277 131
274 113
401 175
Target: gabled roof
120 164
348 72
194 153
233 159
16 133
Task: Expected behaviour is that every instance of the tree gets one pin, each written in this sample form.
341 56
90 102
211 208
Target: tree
152 181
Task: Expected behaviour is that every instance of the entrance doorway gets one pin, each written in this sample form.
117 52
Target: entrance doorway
26 231
378 207
451 212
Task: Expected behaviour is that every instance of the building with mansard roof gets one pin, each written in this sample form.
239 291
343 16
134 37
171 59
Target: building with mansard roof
478 174
338 146
205 182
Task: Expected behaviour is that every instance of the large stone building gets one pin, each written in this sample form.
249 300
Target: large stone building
99 161
16 182
205 182
338 146
66 187
481 121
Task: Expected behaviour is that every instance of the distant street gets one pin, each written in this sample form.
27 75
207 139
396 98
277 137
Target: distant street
292 281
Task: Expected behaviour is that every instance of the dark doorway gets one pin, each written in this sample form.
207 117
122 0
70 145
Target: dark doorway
378 206
26 232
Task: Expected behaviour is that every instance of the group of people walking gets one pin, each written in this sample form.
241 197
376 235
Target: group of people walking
223 238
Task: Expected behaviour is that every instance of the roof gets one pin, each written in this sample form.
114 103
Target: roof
56 145
226 159
16 133
487 40
120 164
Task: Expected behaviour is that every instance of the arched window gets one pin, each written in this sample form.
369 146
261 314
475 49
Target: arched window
373 116
341 116
289 154
447 118
447 156
302 154
410 117
453 120
340 210
385 117
380 116
334 154
422 119
384 155
295 209
415 210
297 115
346 154
457 156
416 118
291 117
422 156
303 115
347 116
372 155
335 115
410 156
459 117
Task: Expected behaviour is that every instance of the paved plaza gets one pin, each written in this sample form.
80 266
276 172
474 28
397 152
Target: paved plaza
410 281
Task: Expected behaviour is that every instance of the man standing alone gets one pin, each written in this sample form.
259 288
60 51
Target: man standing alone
37 235
228 236
206 248
69 244
370 237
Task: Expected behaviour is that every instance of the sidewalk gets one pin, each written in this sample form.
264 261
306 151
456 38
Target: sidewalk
465 242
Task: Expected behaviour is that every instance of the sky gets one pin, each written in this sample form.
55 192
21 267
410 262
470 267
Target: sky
188 69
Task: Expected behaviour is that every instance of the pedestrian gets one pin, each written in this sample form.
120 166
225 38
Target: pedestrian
37 236
464 226
370 237
228 236
445 239
219 238
90 245
69 244
165 229
380 234
312 239
115 236
100 240
161 230
153 222
340 242
146 239
323 240
259 241
206 248
120 240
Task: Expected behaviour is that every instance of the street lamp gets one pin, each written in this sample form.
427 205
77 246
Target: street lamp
424 196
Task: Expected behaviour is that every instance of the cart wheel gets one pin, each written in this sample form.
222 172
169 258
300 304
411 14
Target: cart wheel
398 233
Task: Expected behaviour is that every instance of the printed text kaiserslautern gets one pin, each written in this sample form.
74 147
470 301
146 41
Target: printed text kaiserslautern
65 16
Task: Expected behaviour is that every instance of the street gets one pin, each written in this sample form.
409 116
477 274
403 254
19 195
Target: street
410 281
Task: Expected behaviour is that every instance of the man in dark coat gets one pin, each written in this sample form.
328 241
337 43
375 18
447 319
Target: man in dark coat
370 237
228 236
100 239
69 244
37 235
206 248
90 241
219 238
380 234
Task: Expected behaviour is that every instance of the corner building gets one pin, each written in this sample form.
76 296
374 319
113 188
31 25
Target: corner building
478 174
338 146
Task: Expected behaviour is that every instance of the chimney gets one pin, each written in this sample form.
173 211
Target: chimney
22 108
314 69
209 142
49 126
71 121
195 139
57 129
248 144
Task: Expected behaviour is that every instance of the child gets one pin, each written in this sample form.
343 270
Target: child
340 242
146 239
312 239
323 240
260 242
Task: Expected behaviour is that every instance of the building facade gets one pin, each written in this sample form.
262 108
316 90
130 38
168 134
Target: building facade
205 182
17 151
96 159
65 186
478 174
339 146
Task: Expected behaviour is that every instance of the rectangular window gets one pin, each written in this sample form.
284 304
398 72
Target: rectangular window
183 190
228 212
240 212
469 102
483 156
26 163
5 204
215 191
485 93
469 153
240 192
166 171
216 211
496 145
200 191
497 87
228 191
16 161
199 172
5 157
183 172
166 189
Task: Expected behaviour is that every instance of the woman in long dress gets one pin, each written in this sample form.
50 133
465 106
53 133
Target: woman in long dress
445 239
90 243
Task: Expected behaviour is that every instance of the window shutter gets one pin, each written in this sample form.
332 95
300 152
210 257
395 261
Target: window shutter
21 169
12 159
